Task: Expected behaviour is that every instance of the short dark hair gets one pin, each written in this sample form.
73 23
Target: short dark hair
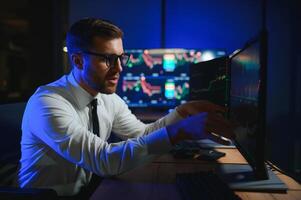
82 32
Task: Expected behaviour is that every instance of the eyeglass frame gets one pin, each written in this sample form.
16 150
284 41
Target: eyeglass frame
108 56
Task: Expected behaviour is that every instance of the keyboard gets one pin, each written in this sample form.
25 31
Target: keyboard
203 185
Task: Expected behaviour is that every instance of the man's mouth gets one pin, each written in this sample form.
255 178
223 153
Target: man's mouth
113 79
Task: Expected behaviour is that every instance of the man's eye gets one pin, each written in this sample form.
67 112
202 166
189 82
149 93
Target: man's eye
103 59
112 58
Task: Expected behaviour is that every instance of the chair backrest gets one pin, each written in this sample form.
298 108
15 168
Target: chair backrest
10 134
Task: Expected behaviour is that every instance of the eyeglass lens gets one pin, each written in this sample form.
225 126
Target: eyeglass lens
112 59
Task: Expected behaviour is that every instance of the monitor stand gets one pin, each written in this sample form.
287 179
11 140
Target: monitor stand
240 177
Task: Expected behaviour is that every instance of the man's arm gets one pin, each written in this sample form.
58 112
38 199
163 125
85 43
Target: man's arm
215 126
126 125
56 125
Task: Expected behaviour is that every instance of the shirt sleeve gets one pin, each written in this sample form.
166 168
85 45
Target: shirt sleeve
56 124
126 125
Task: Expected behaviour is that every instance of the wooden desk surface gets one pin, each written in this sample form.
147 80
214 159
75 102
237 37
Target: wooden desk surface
157 180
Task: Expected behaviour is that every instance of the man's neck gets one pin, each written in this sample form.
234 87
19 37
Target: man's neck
83 84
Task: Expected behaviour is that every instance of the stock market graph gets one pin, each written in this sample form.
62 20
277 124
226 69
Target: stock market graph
158 77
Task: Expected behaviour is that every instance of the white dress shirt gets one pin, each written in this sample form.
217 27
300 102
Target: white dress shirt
59 149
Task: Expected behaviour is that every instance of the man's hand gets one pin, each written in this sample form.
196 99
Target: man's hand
195 107
209 124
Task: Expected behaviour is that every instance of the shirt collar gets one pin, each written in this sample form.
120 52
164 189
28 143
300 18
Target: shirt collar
82 97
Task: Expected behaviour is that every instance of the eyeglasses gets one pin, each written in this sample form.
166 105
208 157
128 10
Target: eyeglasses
111 59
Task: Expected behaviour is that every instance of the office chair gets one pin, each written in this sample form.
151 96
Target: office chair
10 134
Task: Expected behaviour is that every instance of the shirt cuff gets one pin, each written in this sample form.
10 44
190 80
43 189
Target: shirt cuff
172 117
158 142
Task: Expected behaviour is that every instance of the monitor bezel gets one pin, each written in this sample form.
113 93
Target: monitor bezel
258 166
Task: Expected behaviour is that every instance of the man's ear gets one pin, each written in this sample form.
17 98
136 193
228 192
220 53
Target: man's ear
77 60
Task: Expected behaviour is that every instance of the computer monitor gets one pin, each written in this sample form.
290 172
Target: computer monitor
247 111
248 103
209 80
159 78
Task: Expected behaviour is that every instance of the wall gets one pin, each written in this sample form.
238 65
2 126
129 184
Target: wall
140 20
211 24
189 23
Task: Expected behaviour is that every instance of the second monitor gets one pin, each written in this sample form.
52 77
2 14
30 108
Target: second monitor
209 80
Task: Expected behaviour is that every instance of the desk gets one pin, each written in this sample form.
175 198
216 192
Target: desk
157 180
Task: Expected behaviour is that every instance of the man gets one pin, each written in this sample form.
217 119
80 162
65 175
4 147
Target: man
61 144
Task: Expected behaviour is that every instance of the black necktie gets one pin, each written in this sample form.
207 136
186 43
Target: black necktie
95 117
88 190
